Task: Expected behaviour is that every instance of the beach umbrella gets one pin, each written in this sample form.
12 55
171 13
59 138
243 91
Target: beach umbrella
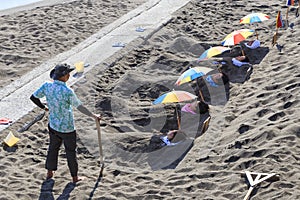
254 18
192 74
175 96
212 51
236 37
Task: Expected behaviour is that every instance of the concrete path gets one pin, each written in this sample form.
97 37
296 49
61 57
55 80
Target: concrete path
14 98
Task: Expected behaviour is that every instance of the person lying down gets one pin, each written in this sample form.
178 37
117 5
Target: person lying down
172 138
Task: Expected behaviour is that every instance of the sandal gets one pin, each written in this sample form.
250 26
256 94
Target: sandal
5 121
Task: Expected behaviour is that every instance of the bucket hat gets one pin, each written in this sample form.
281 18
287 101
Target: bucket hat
60 71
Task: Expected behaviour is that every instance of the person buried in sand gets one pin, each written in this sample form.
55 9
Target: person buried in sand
237 61
254 44
60 99
169 139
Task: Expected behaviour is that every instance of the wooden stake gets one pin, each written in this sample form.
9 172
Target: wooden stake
274 40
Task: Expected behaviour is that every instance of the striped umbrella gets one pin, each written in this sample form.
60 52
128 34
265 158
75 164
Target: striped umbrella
212 51
254 17
192 74
236 37
175 96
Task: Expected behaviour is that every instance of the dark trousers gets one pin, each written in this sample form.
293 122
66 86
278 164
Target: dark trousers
56 139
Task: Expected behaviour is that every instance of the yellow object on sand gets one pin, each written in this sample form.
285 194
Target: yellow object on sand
11 140
79 67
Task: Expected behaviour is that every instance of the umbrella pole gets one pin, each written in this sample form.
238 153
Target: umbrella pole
256 34
200 92
178 120
255 29
201 95
243 52
100 146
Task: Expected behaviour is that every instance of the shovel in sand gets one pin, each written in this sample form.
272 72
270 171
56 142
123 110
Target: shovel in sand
101 159
100 147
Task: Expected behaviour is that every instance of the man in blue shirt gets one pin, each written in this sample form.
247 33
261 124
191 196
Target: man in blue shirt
60 100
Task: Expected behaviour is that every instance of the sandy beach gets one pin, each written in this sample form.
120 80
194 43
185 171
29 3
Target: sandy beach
29 38
257 129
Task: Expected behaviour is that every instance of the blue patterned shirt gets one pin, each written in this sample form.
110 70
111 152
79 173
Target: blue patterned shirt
60 99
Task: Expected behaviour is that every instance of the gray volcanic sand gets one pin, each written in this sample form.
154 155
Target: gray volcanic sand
256 130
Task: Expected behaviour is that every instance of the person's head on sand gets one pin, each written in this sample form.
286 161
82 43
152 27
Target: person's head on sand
217 78
253 44
176 136
240 58
61 72
190 107
171 134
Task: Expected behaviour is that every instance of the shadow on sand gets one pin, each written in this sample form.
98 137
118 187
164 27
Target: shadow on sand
97 182
47 189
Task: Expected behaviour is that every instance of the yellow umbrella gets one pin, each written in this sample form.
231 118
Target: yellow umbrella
192 74
212 51
175 96
254 18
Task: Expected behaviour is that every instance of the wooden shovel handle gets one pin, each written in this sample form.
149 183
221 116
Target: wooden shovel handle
99 140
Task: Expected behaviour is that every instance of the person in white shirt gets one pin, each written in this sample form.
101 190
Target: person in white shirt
253 44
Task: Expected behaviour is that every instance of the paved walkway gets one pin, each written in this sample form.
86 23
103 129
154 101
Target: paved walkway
14 98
